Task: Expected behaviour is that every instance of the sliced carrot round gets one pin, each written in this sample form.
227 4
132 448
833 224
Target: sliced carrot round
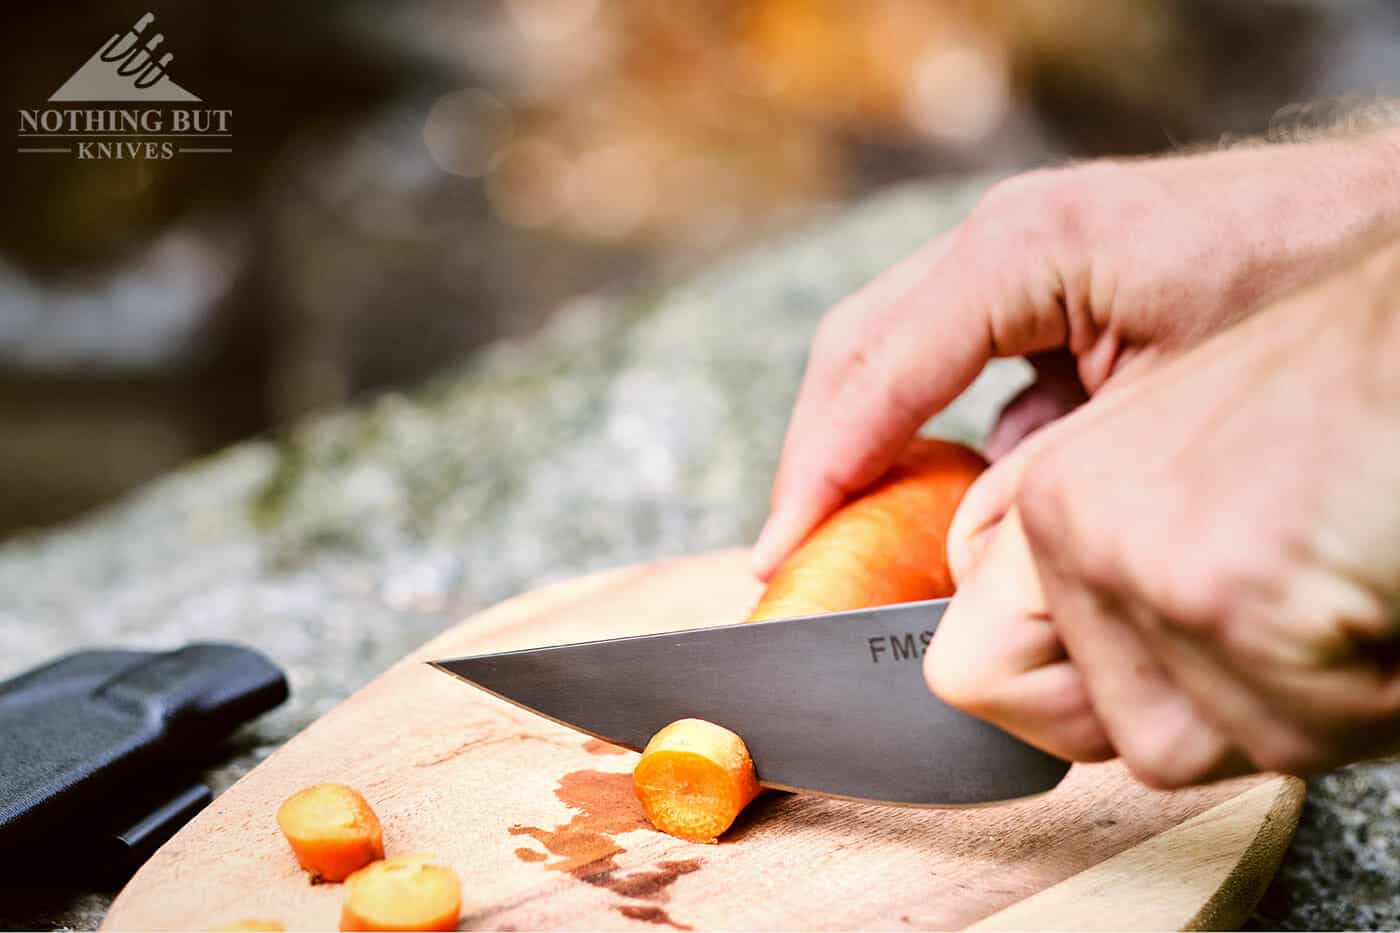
332 830
407 892
693 779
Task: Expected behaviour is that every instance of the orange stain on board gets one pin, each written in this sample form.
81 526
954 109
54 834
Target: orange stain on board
648 883
650 914
606 807
599 747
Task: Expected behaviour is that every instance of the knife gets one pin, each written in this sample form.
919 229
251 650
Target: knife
831 704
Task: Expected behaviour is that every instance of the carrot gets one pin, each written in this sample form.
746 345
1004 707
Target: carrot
886 546
332 831
693 779
407 892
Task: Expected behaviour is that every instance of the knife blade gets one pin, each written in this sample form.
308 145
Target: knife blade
831 704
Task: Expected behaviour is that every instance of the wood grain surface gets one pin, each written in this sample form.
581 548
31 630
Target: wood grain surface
541 824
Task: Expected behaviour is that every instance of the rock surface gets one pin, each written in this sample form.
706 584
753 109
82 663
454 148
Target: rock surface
634 426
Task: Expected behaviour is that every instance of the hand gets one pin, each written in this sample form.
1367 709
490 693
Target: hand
1102 269
1218 547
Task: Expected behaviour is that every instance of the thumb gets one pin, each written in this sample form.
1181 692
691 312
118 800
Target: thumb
996 653
984 507
986 502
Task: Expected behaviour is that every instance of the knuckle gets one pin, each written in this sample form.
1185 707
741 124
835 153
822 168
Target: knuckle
1158 764
1287 755
953 681
831 341
1199 595
1057 527
891 392
1147 757
1219 585
1085 740
843 355
1033 207
946 681
1169 756
1329 616
1156 775
850 471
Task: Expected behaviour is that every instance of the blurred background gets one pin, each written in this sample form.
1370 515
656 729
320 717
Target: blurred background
411 180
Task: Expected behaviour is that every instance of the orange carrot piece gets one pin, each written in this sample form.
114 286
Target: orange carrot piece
332 831
407 892
693 779
886 546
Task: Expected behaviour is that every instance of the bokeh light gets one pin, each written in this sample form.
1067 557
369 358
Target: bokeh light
465 130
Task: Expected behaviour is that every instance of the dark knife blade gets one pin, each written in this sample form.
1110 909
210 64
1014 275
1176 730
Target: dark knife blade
831 704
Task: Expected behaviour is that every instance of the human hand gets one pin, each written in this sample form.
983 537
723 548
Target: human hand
1208 582
1102 270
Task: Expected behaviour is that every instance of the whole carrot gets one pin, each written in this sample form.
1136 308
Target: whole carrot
886 546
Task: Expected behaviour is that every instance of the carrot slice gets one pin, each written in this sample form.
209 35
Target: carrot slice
332 831
693 779
407 892
887 546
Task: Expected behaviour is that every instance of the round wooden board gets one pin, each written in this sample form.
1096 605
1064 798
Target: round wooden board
542 827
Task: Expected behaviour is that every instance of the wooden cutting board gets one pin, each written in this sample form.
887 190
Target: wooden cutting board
542 827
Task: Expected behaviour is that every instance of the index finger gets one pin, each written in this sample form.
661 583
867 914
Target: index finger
881 364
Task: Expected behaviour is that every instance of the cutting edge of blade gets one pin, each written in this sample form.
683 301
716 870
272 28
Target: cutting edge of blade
905 804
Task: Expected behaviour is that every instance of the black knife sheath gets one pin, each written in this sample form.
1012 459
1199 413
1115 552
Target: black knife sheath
100 750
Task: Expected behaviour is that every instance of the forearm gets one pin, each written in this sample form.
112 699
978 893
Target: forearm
1347 191
1286 214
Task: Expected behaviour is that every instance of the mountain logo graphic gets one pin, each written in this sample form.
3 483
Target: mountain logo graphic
125 69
